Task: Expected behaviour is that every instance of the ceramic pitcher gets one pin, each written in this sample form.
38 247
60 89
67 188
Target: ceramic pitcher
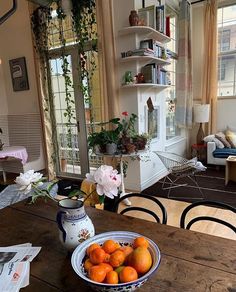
74 224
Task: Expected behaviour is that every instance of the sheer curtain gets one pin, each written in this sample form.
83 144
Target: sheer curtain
184 94
209 88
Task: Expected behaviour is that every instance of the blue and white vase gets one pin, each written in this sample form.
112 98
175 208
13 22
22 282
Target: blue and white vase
74 224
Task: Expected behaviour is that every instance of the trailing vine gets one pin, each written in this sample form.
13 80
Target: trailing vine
84 25
69 111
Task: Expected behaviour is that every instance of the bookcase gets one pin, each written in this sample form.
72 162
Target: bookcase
134 96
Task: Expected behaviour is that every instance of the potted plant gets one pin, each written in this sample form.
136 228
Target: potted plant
96 141
140 141
111 140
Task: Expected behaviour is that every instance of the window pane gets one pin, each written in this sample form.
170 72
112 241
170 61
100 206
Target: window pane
227 51
171 129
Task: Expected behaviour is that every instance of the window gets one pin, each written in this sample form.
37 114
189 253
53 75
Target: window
171 129
227 51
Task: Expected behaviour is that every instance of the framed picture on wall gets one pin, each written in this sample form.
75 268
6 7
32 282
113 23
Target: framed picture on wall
152 122
19 74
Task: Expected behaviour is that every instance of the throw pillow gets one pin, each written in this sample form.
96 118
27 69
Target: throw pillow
221 136
212 138
231 137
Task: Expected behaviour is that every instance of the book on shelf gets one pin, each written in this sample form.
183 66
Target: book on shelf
160 19
149 72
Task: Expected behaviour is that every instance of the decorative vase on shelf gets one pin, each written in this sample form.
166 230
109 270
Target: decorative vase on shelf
74 224
133 18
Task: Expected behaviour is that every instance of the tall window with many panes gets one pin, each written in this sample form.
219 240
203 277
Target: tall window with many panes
227 51
171 128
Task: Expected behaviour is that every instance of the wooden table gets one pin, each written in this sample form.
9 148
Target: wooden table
230 169
191 261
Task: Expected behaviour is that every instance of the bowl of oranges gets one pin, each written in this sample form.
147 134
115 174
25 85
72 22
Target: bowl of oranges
116 261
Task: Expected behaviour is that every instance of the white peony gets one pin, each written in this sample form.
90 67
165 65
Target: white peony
25 180
107 179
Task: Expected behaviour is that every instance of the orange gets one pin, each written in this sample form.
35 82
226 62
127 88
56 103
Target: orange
97 274
112 277
87 265
140 259
128 274
106 266
126 250
141 241
109 246
92 247
117 258
97 256
107 258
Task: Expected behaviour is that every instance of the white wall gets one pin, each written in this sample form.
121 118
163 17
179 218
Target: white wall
16 41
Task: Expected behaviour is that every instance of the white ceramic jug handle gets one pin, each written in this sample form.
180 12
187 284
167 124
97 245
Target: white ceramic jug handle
60 226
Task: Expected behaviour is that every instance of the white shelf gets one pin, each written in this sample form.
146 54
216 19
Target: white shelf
145 85
148 31
146 59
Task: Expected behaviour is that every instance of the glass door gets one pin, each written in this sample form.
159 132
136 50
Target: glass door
70 125
75 112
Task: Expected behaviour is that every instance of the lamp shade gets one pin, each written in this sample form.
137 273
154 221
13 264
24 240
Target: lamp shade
201 113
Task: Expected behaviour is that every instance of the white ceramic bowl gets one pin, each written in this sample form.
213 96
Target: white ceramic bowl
124 238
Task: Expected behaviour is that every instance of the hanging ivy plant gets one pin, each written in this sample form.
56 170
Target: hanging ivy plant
84 24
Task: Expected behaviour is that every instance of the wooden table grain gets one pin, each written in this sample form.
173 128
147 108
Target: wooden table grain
191 261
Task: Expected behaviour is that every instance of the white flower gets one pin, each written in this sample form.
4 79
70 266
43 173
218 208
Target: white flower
107 179
25 180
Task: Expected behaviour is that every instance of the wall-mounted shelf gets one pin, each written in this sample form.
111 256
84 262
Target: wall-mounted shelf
148 31
145 85
145 59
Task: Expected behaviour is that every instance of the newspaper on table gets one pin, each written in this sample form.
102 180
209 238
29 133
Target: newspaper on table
15 266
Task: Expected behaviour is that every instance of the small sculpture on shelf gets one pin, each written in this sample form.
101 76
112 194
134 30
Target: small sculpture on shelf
133 18
128 78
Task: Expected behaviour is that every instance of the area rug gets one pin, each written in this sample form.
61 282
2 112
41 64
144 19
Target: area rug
211 182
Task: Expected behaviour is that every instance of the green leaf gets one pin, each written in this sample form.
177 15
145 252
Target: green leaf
101 199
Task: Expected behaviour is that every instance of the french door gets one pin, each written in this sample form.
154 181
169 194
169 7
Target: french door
69 109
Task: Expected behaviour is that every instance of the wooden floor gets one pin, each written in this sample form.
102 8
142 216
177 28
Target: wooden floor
174 210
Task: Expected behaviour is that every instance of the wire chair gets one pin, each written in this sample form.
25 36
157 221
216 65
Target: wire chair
206 218
178 167
141 209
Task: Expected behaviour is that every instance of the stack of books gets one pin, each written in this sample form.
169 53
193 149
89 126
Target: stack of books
138 52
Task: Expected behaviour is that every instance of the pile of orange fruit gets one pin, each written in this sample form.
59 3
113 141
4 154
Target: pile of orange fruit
113 264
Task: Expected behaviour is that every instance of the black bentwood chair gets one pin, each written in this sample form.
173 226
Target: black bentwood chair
141 209
206 218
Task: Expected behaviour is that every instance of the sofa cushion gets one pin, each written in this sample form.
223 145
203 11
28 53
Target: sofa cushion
212 138
224 153
231 137
221 136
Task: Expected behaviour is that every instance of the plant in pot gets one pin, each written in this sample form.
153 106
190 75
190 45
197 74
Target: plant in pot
96 141
141 140
112 138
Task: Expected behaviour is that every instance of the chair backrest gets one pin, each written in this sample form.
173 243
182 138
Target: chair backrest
206 218
170 160
141 209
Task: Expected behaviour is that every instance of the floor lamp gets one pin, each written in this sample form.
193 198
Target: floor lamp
201 115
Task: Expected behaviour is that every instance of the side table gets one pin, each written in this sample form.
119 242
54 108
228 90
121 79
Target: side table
199 151
230 169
